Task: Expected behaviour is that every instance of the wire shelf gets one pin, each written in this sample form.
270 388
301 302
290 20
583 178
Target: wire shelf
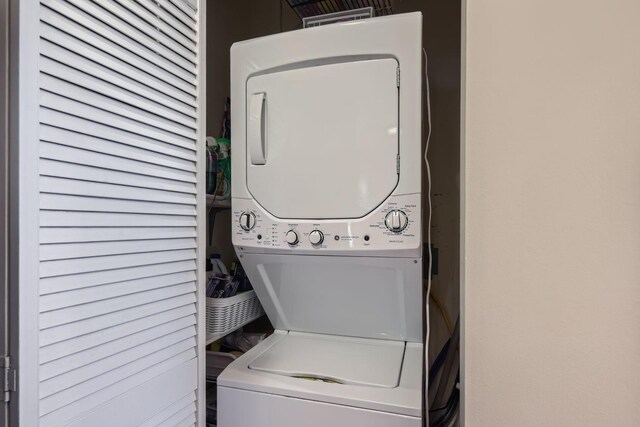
307 8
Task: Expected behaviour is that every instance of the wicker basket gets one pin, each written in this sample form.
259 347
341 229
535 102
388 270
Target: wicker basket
224 315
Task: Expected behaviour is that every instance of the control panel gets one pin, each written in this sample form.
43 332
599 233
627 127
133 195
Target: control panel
395 225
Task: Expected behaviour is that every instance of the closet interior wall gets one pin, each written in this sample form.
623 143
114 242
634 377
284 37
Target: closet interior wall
441 39
229 21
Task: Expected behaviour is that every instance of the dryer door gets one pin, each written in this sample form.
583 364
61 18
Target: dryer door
322 141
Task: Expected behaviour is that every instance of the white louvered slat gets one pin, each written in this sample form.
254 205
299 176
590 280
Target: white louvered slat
98 160
68 331
62 349
53 24
62 128
186 6
120 403
90 16
152 350
182 35
86 65
64 283
61 104
111 262
59 71
76 313
61 96
174 21
53 36
178 14
126 409
166 37
103 219
154 41
183 418
74 361
49 252
118 179
91 174
109 386
55 202
60 300
110 191
113 234
167 413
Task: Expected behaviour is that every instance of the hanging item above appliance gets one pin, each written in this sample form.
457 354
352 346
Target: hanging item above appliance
308 8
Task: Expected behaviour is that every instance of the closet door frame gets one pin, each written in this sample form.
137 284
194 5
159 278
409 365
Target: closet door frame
4 165
201 239
23 207
23 202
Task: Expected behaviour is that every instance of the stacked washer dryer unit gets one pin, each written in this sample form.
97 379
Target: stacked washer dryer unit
327 224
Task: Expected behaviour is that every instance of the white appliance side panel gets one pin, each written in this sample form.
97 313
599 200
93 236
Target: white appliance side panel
327 137
111 211
248 408
350 296
397 36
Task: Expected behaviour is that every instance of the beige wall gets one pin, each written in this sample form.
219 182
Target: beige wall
552 213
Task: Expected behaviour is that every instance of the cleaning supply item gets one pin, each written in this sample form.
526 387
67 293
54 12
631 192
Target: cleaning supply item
223 152
226 119
217 266
212 166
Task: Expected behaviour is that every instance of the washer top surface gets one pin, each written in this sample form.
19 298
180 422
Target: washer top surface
404 398
343 360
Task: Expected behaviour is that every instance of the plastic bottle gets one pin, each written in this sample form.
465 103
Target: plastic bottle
212 166
217 265
224 167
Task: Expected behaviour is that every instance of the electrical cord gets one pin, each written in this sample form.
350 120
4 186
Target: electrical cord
451 407
443 311
426 161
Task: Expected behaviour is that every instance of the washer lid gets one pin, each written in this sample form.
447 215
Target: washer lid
322 141
356 361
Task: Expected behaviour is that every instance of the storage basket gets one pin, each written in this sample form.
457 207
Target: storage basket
224 315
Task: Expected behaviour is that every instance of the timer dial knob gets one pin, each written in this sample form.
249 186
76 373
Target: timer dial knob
396 220
316 237
291 237
247 221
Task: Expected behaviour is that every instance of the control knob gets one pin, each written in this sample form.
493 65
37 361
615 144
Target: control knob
316 237
396 220
247 221
291 237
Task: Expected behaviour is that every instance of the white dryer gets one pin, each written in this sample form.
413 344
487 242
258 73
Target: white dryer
326 126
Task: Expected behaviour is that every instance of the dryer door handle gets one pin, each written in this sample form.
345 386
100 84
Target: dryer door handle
257 129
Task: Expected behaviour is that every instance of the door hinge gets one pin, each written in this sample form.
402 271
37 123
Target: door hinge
398 77
398 163
8 378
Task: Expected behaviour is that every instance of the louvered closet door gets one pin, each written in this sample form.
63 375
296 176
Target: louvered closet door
120 213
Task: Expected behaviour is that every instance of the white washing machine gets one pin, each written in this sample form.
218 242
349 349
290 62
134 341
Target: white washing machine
326 126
